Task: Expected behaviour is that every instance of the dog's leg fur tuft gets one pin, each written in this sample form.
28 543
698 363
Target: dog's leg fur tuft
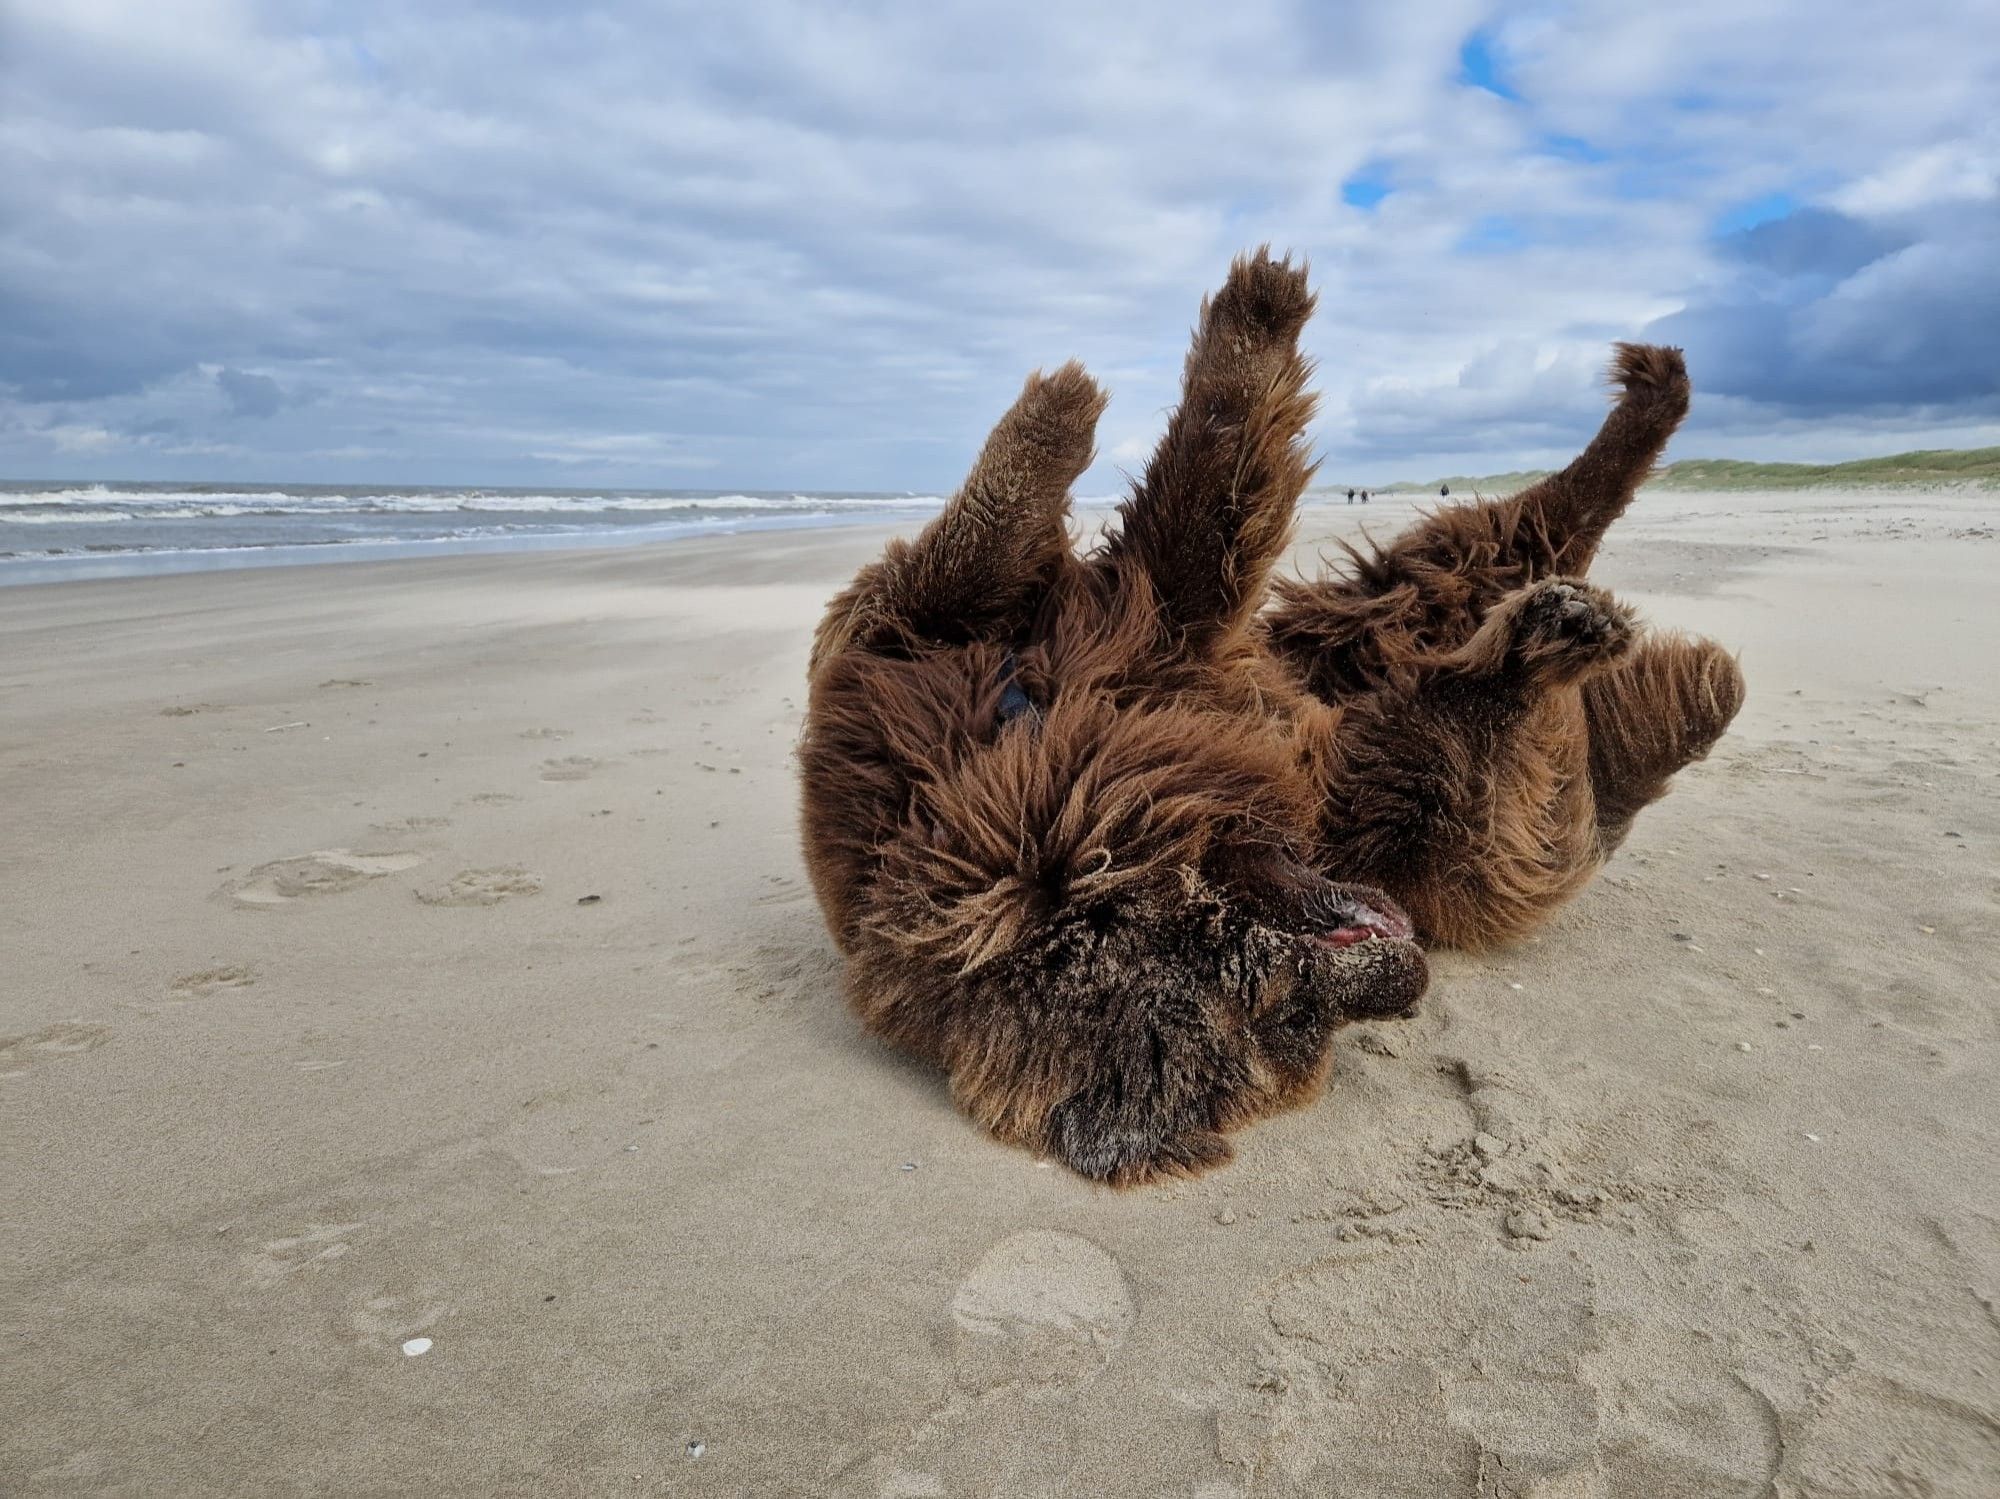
1213 512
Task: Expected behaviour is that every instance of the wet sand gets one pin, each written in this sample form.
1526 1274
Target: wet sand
421 951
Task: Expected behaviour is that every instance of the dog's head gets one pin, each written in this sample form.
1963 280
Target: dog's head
1058 809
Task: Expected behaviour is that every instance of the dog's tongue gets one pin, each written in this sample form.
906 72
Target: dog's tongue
1320 910
1347 936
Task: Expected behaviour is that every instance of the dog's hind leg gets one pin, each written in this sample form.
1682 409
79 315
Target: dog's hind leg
1564 517
1431 586
1463 788
1213 511
1552 528
1663 707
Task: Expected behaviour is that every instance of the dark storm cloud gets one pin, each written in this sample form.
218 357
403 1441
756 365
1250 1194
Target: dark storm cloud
1831 314
251 395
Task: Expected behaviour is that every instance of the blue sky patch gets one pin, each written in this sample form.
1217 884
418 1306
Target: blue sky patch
1495 234
1480 67
1760 210
1367 187
1574 148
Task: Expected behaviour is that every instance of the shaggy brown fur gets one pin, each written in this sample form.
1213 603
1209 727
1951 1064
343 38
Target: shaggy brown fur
1505 720
1084 827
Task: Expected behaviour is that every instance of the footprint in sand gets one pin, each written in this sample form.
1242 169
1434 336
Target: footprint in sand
327 872
481 887
317 1248
1040 1308
796 975
188 710
69 1039
783 892
545 733
209 980
345 682
411 824
569 768
1513 1404
492 798
1874 1435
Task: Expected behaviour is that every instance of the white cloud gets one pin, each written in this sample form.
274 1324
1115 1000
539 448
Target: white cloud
70 438
1959 171
789 245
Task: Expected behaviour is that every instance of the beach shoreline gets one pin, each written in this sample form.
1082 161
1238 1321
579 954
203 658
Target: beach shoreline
420 951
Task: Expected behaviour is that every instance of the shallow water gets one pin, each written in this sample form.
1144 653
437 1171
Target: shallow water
51 531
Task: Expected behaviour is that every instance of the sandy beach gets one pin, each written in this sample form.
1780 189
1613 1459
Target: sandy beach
421 951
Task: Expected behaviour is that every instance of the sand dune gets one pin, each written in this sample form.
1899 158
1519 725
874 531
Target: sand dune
431 1077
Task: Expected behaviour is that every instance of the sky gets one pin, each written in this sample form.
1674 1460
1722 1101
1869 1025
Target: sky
818 246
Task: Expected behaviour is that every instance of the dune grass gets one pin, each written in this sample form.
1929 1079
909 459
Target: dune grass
1927 468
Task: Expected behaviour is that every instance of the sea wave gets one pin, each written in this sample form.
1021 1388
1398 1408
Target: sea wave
47 528
73 504
50 516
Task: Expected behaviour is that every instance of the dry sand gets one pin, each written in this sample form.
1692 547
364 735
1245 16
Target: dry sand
421 950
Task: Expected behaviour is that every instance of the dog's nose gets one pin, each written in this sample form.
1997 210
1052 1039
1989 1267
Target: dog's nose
1390 979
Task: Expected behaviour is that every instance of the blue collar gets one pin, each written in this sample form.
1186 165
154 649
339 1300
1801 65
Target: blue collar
1014 702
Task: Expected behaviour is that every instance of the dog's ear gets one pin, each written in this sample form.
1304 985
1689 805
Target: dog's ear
978 569
1213 512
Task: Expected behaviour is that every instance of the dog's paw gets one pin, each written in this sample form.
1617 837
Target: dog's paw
1651 372
1567 625
1264 299
1054 423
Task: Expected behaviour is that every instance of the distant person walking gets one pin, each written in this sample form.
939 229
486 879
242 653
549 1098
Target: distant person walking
1444 491
1350 497
1364 496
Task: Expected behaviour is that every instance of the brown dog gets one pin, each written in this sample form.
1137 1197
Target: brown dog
1090 831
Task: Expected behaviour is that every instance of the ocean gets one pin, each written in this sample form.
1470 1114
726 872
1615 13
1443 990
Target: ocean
50 531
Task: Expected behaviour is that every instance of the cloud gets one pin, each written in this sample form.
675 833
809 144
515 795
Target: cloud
779 244
1810 243
1825 313
251 395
